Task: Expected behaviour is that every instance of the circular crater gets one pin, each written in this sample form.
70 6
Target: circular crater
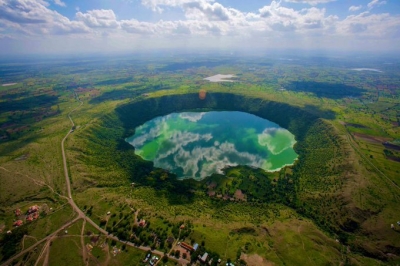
134 114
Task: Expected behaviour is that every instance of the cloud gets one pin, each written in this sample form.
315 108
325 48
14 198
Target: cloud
371 26
276 140
60 3
355 8
101 18
34 17
283 19
205 23
375 3
137 27
310 2
24 12
192 117
204 10
156 5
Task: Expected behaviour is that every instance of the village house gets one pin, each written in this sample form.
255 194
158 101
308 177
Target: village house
187 246
33 209
18 223
18 212
204 257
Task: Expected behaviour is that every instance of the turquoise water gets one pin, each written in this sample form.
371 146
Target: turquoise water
196 145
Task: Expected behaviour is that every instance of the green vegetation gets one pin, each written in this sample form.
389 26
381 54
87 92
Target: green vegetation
334 206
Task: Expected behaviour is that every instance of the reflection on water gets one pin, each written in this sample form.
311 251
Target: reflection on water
196 145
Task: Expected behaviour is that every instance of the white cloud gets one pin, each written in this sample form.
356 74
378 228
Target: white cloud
34 17
192 117
205 23
137 27
375 3
156 5
60 3
101 18
310 2
355 8
278 18
368 25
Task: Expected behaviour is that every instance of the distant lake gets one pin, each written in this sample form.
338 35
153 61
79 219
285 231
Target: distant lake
367 69
221 78
196 145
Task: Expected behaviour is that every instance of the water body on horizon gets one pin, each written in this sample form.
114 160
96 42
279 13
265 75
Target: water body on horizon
196 145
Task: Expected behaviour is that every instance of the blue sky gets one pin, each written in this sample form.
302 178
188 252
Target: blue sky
69 26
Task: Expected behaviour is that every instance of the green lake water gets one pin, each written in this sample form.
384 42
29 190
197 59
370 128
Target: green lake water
196 145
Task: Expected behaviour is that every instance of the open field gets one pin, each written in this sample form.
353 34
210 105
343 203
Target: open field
334 206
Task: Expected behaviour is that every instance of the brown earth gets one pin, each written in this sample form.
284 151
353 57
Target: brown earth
255 260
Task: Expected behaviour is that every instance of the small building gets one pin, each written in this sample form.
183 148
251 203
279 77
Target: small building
17 212
182 226
18 223
195 246
204 257
153 260
29 218
187 246
33 209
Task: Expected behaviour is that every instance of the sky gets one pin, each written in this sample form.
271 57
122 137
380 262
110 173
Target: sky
91 26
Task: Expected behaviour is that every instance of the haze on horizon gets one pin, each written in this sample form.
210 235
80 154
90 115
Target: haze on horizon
74 26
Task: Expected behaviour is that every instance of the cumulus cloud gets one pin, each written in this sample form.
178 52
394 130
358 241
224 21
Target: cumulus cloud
279 18
34 17
355 8
102 18
201 10
369 25
60 3
137 27
273 24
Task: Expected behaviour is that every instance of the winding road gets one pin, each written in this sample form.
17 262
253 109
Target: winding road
81 214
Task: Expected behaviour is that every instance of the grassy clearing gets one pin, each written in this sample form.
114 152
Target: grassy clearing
44 226
65 251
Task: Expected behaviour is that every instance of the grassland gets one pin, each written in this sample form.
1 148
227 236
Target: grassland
334 206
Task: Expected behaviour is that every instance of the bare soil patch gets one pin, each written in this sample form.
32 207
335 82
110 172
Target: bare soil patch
255 260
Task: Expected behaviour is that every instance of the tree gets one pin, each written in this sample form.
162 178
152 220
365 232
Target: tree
177 254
